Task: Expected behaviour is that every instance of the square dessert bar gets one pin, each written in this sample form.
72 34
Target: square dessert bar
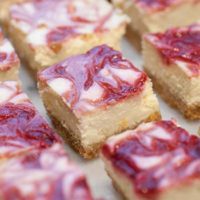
45 32
9 62
95 95
172 60
47 174
159 15
158 160
22 128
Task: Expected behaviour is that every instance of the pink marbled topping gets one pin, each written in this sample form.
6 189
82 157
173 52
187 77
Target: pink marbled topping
50 22
155 157
8 57
47 175
21 127
11 93
97 79
180 46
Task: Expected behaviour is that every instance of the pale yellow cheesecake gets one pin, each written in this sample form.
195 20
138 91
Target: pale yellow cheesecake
46 32
157 160
9 61
172 61
157 15
95 95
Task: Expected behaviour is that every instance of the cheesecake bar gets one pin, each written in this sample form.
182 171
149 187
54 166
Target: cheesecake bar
9 61
22 128
159 15
43 37
95 95
172 60
45 175
157 160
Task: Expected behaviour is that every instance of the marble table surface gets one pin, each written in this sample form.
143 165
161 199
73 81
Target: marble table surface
94 169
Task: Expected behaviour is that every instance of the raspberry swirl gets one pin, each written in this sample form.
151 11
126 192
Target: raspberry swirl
99 78
180 46
155 156
47 174
68 19
21 126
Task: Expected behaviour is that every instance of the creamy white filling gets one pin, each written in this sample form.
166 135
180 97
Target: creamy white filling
145 162
160 133
38 36
6 47
60 85
127 75
95 92
6 94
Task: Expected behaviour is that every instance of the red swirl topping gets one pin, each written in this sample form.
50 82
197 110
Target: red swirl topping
155 156
8 57
47 174
22 128
68 19
158 5
180 44
98 78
